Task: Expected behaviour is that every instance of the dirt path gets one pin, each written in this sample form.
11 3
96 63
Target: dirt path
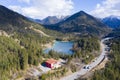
39 31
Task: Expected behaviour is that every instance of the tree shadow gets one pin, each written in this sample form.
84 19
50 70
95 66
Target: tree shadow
43 64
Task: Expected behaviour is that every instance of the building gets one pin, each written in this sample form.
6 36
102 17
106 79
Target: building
51 63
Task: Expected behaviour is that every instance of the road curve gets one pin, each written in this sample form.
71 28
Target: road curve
91 65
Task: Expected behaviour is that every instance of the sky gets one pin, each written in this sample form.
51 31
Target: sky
40 9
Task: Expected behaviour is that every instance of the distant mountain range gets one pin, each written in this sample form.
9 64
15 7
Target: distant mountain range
53 19
80 23
112 21
49 20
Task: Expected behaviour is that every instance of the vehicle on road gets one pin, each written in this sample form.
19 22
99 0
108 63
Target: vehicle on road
86 67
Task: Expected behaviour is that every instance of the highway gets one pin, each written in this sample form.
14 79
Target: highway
84 71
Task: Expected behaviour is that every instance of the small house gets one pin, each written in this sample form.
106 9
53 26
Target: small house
51 63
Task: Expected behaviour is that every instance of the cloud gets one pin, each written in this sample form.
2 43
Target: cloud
43 8
107 8
16 8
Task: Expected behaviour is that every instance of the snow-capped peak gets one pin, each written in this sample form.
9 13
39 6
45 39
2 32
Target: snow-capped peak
113 16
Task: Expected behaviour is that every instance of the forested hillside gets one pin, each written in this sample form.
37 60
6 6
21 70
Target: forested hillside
115 33
112 69
22 47
12 57
86 47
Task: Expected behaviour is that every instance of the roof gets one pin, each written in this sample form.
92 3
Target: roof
51 61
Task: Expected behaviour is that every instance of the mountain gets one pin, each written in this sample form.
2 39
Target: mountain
49 20
35 20
112 21
81 23
11 22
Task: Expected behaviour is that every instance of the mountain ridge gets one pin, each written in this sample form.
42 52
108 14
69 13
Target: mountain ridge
82 23
112 21
49 20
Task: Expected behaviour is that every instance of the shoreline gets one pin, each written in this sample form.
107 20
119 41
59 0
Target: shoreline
48 45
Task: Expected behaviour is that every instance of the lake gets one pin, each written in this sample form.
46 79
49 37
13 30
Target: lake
62 47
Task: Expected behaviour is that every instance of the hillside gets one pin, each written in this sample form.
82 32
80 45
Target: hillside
11 21
112 68
81 23
114 33
20 44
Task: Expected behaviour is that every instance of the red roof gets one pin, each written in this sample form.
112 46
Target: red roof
51 61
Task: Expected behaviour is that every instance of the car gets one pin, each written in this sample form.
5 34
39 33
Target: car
86 67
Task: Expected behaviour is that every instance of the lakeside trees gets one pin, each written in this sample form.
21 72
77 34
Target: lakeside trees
84 48
87 44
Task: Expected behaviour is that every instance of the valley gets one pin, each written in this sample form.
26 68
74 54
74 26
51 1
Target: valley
56 49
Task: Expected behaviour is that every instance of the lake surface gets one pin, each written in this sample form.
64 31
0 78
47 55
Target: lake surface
62 47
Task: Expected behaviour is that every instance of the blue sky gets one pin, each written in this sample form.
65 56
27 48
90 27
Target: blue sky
86 5
42 8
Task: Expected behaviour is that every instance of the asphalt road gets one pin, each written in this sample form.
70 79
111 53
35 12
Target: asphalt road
84 71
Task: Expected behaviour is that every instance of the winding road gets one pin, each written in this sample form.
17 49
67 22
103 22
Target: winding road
92 65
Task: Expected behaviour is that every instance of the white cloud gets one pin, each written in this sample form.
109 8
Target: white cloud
107 8
15 8
44 8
